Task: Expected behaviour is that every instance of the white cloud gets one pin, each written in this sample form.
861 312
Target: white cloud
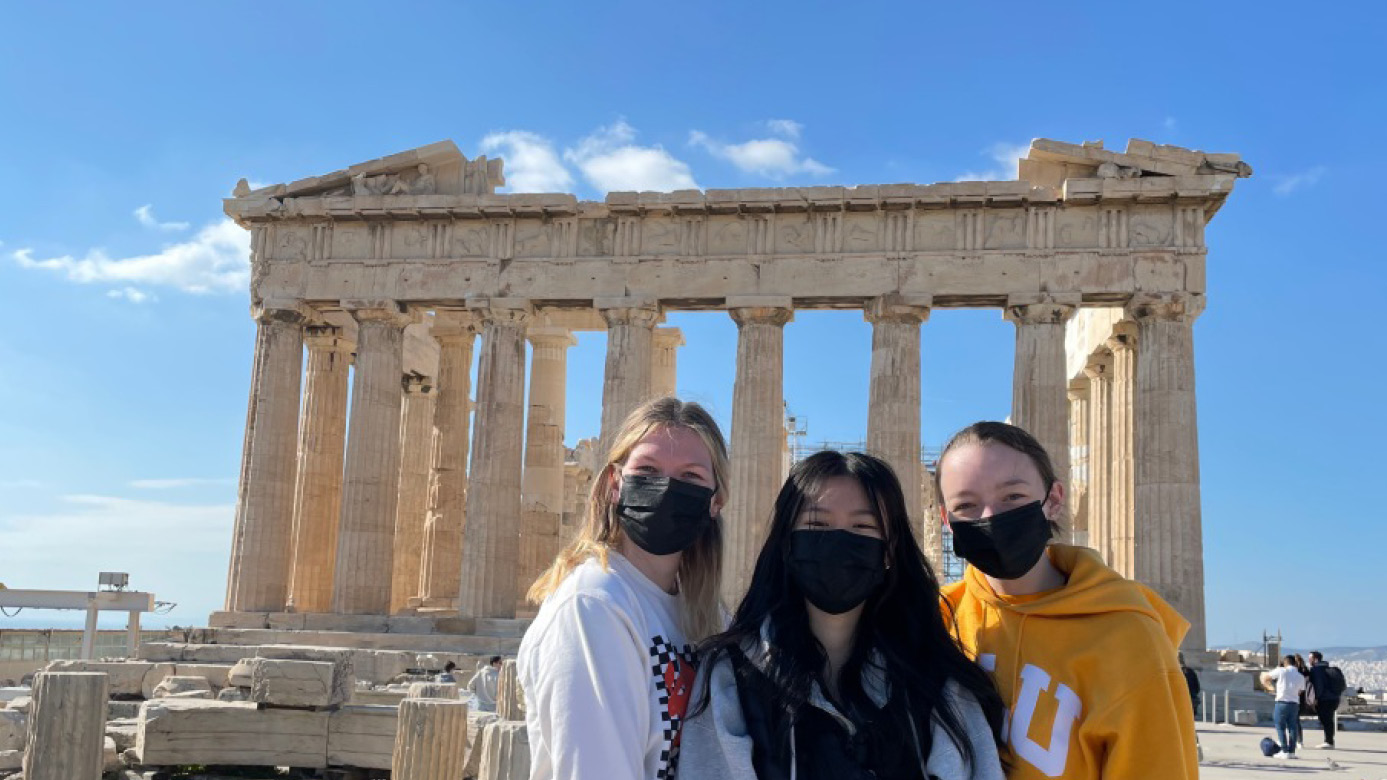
532 164
132 294
175 551
179 482
1004 156
145 214
216 260
611 161
1289 183
15 484
775 157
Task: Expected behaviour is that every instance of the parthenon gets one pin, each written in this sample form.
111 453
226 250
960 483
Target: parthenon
415 498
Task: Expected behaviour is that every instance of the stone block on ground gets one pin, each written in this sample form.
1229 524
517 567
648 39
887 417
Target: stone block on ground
110 757
176 685
127 677
20 704
344 671
1244 717
157 674
11 759
282 683
179 731
233 694
123 732
67 726
378 696
239 673
477 723
14 726
118 710
362 736
505 752
216 674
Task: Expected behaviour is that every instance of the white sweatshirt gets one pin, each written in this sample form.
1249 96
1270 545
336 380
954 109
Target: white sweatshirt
607 676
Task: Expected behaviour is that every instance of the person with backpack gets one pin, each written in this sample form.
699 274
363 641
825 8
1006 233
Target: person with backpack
1325 690
1288 683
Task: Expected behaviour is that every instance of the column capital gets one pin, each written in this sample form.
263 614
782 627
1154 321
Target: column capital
417 384
453 323
1099 366
510 312
1041 308
326 338
1078 387
669 338
550 336
910 309
1123 338
383 310
761 309
1169 307
289 311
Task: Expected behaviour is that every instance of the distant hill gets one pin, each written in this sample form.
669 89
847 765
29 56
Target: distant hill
1332 654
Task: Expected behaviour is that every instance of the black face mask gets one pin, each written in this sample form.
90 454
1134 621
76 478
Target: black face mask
662 515
837 570
1004 546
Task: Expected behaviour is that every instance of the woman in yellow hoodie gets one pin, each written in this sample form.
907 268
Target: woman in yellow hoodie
1084 659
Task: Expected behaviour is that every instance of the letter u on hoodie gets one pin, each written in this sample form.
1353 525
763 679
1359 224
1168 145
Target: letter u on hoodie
1088 672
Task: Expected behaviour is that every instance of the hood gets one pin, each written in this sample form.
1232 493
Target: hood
1092 588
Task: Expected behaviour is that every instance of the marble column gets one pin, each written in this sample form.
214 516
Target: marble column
371 474
1121 518
1169 536
542 485
491 540
1079 496
1099 373
893 408
322 444
1039 385
630 344
262 539
412 504
664 371
67 726
455 332
758 430
430 740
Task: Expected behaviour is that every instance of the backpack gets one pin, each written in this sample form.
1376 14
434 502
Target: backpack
1334 683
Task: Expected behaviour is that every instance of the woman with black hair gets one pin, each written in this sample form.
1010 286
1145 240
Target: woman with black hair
834 665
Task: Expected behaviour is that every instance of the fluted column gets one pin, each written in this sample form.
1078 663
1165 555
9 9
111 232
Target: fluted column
258 577
67 726
630 341
893 408
412 504
1039 385
1169 534
1121 517
371 476
322 444
430 740
1079 495
664 371
441 564
491 540
542 485
758 400
1099 373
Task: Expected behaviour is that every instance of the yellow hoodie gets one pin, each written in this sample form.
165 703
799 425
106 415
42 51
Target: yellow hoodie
1088 672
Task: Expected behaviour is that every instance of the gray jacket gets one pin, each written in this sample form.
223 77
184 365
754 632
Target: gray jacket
714 745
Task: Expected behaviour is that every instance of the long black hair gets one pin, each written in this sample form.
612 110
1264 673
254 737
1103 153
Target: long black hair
902 621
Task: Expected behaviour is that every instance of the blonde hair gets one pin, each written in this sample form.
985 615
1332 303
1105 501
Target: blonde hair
700 568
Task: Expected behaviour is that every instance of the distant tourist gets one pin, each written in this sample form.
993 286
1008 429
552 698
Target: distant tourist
830 668
484 684
1326 689
1289 683
1084 659
608 664
1191 682
1304 709
447 676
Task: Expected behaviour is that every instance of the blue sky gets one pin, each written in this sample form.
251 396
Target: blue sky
124 366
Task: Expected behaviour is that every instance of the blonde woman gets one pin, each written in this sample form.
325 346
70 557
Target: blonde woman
608 664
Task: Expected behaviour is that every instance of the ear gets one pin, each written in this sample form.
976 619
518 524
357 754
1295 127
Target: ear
718 501
614 482
1055 500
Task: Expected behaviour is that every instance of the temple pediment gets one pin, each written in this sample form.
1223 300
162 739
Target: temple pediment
436 169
